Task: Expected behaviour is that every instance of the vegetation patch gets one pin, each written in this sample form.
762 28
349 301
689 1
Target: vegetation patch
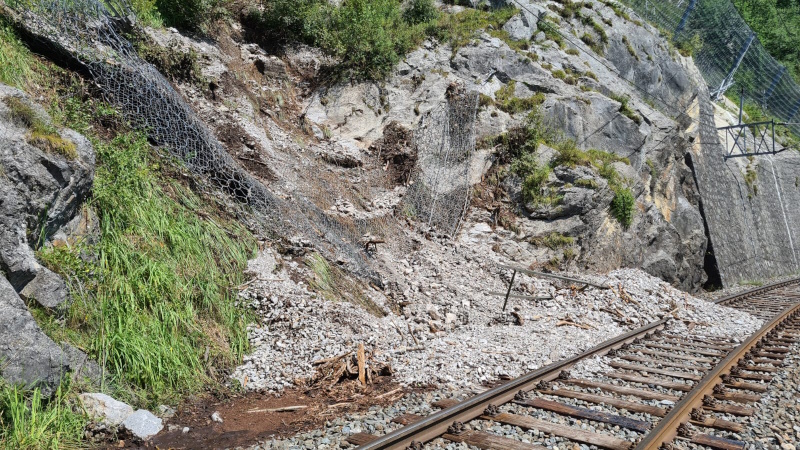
17 64
534 181
630 48
552 241
333 284
625 109
155 304
29 421
551 32
622 206
41 134
508 102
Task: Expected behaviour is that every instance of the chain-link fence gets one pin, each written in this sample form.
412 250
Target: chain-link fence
727 53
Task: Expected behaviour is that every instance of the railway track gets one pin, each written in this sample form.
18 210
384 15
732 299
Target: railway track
659 390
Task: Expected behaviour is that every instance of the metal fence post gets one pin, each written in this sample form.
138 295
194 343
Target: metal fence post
685 17
728 81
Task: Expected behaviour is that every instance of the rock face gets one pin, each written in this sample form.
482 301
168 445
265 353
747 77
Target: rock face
41 190
29 356
751 207
596 99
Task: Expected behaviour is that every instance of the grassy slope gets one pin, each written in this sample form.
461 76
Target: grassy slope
153 299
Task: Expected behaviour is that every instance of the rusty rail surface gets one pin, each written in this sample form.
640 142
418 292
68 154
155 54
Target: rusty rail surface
447 421
436 424
667 429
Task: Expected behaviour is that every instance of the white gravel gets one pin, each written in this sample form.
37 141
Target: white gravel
463 338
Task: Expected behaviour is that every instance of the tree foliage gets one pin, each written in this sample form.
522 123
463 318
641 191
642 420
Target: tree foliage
777 24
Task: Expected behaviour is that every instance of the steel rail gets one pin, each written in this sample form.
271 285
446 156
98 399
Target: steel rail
758 290
436 424
667 429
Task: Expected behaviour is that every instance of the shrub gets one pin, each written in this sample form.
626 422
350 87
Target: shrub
688 46
462 28
573 51
189 15
622 206
570 155
420 11
368 37
534 179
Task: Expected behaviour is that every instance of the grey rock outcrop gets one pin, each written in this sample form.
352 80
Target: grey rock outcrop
41 190
28 356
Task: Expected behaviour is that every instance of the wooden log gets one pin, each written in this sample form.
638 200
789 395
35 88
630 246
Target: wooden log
699 344
362 368
755 387
718 442
407 419
641 393
445 403
669 355
611 401
584 413
674 385
679 348
575 434
736 410
660 362
489 441
682 375
361 438
721 424
738 397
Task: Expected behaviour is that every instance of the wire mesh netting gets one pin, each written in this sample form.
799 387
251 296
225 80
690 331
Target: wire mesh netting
445 139
727 52
89 32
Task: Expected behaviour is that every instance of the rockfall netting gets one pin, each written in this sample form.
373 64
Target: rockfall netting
727 53
89 34
439 192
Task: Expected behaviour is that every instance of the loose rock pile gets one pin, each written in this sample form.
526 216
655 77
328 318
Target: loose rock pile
448 330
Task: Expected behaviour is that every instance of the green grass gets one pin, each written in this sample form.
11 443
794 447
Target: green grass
41 134
17 64
156 304
553 241
28 421
462 28
508 102
625 109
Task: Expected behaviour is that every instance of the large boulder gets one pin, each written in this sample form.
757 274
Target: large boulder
45 174
30 357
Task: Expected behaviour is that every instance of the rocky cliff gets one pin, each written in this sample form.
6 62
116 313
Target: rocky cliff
45 175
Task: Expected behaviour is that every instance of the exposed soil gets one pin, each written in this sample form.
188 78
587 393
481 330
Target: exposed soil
245 421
